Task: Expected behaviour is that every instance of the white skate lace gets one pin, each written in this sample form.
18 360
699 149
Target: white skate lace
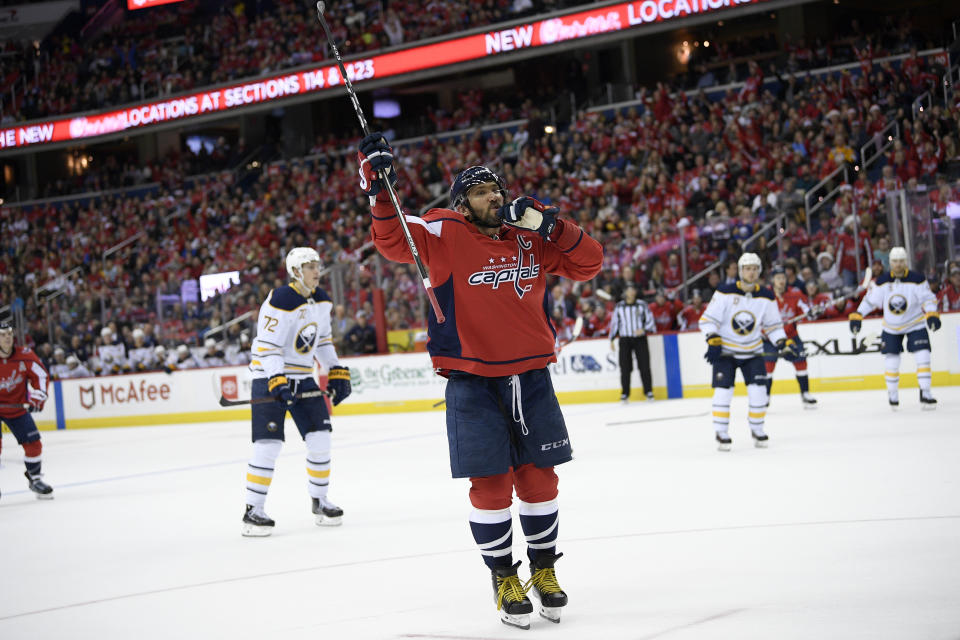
518 404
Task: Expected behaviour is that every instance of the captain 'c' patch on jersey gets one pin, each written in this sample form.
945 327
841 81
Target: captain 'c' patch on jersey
306 338
743 322
897 304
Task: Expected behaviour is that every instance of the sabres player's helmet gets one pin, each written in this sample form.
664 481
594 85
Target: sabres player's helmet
298 257
471 177
898 254
749 259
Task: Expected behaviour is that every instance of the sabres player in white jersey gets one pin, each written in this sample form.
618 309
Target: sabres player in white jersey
907 302
740 315
293 328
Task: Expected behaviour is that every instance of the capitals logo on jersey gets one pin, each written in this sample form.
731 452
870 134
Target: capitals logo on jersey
897 304
306 338
514 272
743 322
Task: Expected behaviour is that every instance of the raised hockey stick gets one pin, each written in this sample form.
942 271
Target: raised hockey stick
577 330
424 277
306 394
867 278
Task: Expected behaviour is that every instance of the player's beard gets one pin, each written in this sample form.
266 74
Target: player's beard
488 220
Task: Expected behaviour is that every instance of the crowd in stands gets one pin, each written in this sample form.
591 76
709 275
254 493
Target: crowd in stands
674 168
175 48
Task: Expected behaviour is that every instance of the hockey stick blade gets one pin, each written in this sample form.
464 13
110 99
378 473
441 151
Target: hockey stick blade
306 394
321 7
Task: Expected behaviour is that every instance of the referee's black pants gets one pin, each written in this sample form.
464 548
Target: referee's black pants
628 348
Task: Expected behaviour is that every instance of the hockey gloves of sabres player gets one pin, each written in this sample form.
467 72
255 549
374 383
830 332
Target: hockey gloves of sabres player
375 155
279 388
933 321
528 213
338 384
788 347
714 349
36 398
856 321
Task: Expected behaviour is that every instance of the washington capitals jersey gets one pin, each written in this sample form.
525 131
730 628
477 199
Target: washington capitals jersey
292 329
492 291
23 367
742 315
791 304
905 301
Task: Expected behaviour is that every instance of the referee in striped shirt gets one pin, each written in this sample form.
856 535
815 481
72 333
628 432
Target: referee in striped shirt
631 323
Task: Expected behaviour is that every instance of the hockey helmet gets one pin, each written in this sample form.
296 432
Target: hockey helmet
749 259
471 177
6 327
298 257
777 269
898 253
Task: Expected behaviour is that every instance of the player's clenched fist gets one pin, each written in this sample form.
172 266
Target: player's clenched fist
338 384
374 156
530 214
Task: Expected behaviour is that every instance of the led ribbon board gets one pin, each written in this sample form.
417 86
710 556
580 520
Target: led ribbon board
574 26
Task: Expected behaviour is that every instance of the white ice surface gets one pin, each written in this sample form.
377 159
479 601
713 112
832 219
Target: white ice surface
848 526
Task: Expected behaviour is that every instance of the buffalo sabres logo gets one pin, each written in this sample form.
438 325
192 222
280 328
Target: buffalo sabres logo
306 337
743 322
897 304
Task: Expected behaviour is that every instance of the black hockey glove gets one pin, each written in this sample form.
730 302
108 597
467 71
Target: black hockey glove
375 155
788 348
714 349
530 214
856 321
338 384
279 387
933 321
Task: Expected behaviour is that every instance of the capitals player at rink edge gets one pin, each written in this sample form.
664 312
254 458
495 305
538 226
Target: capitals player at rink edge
23 390
488 259
293 328
736 322
792 303
907 301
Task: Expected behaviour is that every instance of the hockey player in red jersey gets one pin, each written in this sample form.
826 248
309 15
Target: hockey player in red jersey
23 390
948 298
488 260
792 303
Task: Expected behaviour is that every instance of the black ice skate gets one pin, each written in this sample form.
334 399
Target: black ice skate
895 402
543 581
649 395
256 523
512 601
45 491
724 441
809 402
760 440
328 514
927 401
